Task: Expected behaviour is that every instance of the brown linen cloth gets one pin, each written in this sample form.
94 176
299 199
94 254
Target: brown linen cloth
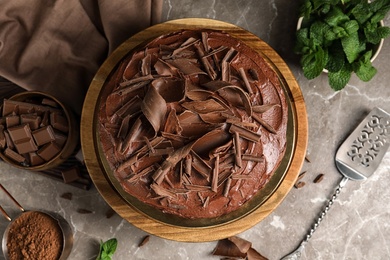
56 46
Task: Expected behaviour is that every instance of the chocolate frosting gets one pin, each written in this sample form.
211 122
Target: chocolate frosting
193 123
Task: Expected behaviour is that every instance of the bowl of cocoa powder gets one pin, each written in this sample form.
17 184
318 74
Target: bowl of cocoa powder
37 131
37 235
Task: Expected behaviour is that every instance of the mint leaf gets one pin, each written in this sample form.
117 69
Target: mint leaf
352 46
317 32
338 80
336 17
314 63
336 57
375 33
361 12
351 26
364 69
107 249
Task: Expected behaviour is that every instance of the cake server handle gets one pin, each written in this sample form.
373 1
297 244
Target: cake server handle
297 253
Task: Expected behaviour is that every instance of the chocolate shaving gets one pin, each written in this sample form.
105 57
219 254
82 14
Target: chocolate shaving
202 107
209 69
131 136
237 247
146 65
264 124
144 240
84 211
237 148
133 81
154 108
206 202
162 191
319 178
201 165
245 79
245 133
227 187
214 179
251 157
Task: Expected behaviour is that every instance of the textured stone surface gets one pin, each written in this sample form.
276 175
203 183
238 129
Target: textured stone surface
357 227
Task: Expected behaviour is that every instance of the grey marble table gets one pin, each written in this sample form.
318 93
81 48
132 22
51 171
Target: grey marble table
358 225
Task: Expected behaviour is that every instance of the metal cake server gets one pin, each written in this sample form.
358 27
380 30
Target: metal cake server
356 159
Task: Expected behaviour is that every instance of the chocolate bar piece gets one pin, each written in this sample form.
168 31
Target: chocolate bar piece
71 174
22 139
35 159
3 140
43 135
12 120
14 155
59 122
48 151
32 120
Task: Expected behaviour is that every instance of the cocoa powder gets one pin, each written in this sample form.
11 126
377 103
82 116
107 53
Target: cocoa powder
34 235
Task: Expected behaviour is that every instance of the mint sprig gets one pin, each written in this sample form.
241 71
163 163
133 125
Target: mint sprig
107 249
340 36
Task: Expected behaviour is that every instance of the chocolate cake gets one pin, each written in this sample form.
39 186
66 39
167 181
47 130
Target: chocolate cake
193 123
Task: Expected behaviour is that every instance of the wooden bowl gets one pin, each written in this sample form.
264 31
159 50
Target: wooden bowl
182 230
72 135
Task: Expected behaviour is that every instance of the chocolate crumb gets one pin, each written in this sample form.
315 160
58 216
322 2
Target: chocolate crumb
67 196
319 178
299 184
307 159
84 211
301 175
144 240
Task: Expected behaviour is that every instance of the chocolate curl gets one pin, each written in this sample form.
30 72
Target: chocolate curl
146 65
264 124
134 131
186 66
203 107
165 69
229 92
131 107
227 187
245 79
134 81
209 69
162 191
214 180
154 108
189 42
245 133
172 124
225 64
237 146
171 162
124 128
201 166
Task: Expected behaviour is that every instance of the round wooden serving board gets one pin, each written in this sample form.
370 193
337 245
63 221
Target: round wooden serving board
179 233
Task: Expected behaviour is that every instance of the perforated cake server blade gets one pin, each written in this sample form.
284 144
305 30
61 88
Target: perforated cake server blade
356 159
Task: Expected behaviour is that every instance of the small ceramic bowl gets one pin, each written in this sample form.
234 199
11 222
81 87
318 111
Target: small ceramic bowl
60 152
377 48
66 232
